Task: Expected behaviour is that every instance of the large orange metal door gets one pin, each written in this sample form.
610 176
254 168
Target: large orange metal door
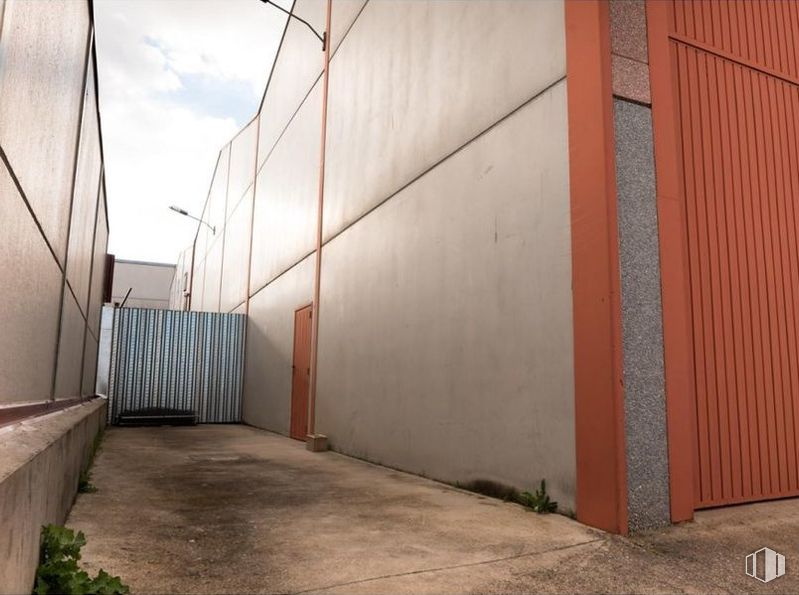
736 67
300 372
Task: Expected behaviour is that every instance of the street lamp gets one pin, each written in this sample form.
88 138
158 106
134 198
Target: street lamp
186 214
322 37
316 441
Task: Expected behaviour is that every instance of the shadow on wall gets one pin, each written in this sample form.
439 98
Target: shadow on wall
266 402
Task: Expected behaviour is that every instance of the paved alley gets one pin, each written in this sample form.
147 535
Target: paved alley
233 509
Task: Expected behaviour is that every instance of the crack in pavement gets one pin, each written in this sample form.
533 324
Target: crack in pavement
442 568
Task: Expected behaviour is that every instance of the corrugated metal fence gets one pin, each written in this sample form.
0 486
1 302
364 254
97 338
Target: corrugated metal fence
173 360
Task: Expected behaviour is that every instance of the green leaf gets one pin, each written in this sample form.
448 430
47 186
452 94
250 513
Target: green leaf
539 501
59 572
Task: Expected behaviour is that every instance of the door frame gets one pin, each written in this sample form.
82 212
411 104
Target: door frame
678 340
293 370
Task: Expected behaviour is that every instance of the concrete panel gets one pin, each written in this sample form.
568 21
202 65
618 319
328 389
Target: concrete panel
642 320
204 236
175 286
180 282
40 463
299 64
217 197
213 277
198 285
237 247
42 64
104 356
70 349
84 202
30 296
98 269
413 81
286 197
89 365
270 344
242 165
446 343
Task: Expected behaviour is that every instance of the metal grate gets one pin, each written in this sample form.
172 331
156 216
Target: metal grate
170 361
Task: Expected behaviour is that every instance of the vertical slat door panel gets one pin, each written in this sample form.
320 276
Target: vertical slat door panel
737 70
174 360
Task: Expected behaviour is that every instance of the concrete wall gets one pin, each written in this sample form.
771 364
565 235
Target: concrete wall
52 267
179 286
457 319
40 464
445 315
151 283
104 351
52 202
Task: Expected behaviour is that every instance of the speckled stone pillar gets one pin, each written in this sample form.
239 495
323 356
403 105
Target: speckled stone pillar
639 263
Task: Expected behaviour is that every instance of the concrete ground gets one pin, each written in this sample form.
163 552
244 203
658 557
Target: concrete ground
232 509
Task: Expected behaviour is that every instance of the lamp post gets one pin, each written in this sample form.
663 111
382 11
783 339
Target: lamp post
316 441
322 37
185 213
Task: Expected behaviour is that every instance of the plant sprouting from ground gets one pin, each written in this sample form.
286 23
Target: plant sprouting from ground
59 572
539 501
85 485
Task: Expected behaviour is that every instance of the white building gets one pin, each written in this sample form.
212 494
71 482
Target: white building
149 283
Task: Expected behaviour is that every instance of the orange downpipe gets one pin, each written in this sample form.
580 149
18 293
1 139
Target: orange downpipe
319 226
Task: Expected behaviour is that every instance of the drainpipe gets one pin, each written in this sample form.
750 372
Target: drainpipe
315 442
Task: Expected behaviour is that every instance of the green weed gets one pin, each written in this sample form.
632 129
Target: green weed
59 572
539 501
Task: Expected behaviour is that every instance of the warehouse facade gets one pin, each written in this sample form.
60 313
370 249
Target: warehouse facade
52 196
52 270
541 256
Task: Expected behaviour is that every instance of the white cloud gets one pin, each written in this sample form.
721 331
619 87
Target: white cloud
161 130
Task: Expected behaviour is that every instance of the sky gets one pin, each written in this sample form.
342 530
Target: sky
177 80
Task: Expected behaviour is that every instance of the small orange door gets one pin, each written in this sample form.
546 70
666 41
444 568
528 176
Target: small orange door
300 373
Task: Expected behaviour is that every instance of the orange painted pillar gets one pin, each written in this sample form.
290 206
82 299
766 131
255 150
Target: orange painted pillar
599 393
675 284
